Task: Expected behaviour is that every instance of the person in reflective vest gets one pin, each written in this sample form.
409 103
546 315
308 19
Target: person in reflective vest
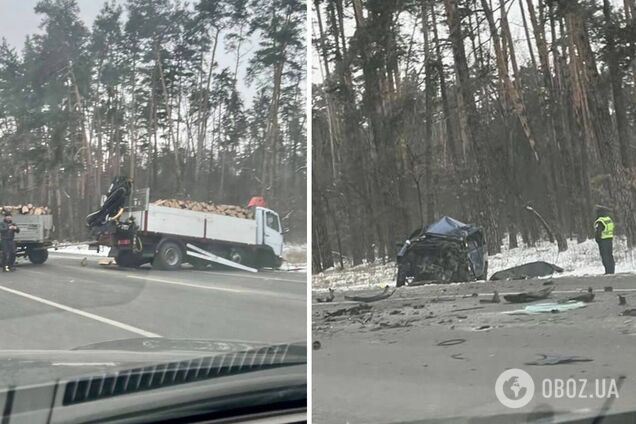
604 235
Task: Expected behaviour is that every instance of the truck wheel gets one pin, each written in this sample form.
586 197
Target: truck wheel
37 256
169 257
241 256
129 259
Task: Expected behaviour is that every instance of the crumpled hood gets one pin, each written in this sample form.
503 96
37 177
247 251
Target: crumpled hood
26 367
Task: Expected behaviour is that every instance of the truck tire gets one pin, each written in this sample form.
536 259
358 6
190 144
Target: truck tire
37 256
169 256
128 259
242 256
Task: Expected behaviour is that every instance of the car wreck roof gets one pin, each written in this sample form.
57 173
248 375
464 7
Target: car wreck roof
447 226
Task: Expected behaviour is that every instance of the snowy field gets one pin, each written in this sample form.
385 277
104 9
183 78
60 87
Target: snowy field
579 260
295 254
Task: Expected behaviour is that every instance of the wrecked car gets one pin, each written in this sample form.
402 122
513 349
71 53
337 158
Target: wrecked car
445 251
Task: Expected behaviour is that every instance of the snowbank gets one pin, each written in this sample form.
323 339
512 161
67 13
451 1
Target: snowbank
80 249
295 256
580 259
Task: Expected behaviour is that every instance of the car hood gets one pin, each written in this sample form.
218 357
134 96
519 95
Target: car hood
27 367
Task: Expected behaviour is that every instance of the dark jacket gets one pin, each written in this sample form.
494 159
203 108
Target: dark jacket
6 233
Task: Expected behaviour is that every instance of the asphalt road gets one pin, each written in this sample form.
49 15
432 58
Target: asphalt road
62 304
435 352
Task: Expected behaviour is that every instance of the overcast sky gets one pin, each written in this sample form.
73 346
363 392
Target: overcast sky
17 20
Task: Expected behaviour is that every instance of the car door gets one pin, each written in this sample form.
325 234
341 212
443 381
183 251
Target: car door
270 230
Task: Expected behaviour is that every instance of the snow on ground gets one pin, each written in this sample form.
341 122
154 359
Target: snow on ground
295 256
580 259
79 249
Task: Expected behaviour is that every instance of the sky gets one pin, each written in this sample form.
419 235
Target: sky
17 20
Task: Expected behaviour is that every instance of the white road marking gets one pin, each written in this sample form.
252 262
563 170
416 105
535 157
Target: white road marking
85 314
83 364
179 283
256 278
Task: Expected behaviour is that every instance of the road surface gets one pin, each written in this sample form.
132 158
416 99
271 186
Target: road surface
63 304
435 352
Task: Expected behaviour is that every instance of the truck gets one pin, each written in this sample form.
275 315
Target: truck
34 237
139 232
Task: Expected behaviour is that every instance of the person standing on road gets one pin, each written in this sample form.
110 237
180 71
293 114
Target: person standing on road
7 237
604 235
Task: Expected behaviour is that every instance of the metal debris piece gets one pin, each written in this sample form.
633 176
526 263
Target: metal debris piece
327 299
622 300
525 271
495 298
525 297
583 297
629 313
451 342
556 359
352 310
374 298
316 345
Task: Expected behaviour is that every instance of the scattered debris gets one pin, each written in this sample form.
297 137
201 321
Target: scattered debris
352 310
316 345
608 288
495 298
482 328
443 299
584 297
374 298
459 356
525 271
327 299
106 261
548 283
468 309
451 342
525 297
629 313
83 261
549 359
622 300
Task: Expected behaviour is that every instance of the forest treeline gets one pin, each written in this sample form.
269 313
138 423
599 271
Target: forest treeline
474 109
140 91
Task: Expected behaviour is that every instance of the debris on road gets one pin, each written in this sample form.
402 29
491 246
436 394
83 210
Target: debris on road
530 296
495 298
608 288
451 342
629 313
525 271
316 345
584 297
550 359
622 300
330 297
83 261
374 298
352 310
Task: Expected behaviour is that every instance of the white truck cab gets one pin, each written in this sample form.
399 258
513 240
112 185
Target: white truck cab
269 230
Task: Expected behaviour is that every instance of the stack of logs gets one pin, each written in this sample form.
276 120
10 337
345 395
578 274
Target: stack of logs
27 209
228 210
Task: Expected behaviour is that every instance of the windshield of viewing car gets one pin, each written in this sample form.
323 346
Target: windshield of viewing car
108 108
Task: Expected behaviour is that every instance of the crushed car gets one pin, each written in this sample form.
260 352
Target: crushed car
445 251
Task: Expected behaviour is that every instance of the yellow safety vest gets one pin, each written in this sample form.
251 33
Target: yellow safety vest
608 231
